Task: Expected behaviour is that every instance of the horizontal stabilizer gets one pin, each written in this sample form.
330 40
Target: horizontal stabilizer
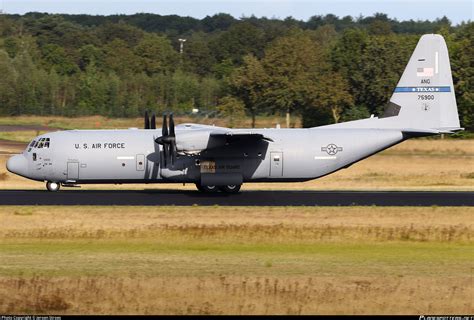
429 132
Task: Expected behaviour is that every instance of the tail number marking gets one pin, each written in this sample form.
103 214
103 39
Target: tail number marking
426 97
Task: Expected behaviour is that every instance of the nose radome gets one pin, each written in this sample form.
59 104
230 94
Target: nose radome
18 165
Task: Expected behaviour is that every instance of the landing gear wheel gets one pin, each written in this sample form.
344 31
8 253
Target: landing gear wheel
208 189
231 188
52 186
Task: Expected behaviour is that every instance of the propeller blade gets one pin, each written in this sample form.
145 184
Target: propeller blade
171 125
165 155
147 121
153 121
173 150
164 129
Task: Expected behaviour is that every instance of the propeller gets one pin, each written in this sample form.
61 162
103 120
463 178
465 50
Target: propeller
172 125
164 129
168 140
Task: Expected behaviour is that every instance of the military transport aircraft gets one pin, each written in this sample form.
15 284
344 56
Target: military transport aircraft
221 159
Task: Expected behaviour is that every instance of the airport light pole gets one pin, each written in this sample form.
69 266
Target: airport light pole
181 45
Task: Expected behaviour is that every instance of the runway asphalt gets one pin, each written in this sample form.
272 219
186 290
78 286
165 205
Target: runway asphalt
155 197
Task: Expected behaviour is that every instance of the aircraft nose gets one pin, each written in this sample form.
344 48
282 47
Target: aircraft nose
18 165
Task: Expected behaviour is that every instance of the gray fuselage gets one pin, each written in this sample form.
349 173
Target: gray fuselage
132 156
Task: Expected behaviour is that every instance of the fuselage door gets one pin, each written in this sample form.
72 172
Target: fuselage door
276 164
73 171
140 162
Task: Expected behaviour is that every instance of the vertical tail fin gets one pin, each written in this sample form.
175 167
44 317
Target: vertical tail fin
424 97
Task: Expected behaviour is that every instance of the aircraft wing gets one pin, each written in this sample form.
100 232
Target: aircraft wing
222 132
197 126
198 139
237 143
234 136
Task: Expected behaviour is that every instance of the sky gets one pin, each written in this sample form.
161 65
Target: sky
455 10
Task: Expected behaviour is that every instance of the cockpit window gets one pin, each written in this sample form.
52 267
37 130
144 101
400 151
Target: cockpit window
30 146
42 143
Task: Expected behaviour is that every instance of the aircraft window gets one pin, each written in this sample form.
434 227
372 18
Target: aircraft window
32 143
44 143
39 143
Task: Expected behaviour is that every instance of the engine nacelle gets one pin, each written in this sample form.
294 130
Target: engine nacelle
196 140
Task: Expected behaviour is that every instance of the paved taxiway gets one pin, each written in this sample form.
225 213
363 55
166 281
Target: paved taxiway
153 197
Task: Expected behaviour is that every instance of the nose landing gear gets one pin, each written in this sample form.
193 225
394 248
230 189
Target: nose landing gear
53 186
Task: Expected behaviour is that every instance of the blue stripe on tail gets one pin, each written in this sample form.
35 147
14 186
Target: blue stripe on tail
421 89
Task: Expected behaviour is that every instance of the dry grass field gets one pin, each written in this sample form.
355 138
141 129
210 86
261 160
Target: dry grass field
236 260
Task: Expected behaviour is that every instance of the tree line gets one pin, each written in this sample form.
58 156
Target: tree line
326 69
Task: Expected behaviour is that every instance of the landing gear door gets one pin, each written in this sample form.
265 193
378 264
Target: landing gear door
73 171
276 164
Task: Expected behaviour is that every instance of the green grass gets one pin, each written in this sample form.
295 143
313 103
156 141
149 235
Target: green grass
198 258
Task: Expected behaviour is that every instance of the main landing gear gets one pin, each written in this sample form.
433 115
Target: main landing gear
234 188
53 186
